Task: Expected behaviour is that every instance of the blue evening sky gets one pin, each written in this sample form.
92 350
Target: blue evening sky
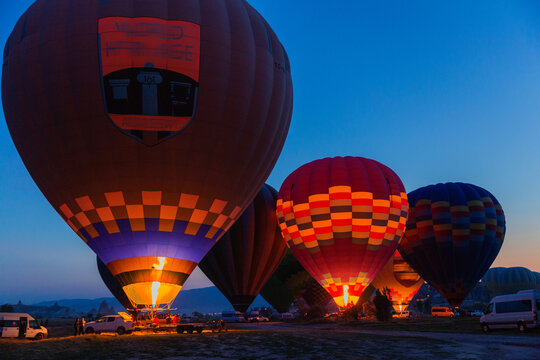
438 91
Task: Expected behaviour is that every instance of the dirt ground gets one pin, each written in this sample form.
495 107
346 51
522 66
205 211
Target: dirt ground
323 340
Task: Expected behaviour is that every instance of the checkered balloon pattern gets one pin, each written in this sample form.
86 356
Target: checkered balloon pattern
454 233
343 218
130 230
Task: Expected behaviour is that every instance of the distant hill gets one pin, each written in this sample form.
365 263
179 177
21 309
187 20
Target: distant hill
204 300
43 311
84 305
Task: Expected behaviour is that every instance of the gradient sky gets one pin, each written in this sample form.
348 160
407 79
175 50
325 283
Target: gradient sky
438 91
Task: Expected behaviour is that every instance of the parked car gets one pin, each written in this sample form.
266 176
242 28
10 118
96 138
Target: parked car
258 318
403 314
232 316
21 325
442 311
110 323
287 316
332 316
476 313
521 311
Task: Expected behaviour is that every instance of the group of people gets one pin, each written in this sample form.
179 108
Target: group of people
154 319
79 326
169 319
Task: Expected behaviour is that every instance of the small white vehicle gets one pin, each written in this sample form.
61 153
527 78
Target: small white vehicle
232 316
21 325
442 311
109 323
521 310
287 316
403 314
476 313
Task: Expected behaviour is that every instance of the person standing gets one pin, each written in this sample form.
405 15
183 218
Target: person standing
76 326
81 326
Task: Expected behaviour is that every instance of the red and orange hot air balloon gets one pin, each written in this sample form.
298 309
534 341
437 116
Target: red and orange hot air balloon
149 125
343 218
401 279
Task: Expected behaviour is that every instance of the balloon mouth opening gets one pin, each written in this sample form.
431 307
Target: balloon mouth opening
152 293
346 300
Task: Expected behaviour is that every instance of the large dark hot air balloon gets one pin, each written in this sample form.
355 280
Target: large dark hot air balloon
113 285
291 281
504 281
245 257
149 125
342 218
402 281
454 232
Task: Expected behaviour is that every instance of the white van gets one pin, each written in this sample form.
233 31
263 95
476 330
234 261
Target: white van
21 325
232 316
521 310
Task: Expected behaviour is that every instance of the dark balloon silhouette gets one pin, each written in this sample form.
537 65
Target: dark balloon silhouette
316 296
504 281
454 232
343 218
113 285
247 255
291 281
148 125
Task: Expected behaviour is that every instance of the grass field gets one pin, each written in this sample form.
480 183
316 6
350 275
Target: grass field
236 344
433 339
465 325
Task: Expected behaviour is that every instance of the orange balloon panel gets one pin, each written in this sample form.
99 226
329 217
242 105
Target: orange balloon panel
400 278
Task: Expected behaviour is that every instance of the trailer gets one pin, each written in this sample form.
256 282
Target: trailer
189 328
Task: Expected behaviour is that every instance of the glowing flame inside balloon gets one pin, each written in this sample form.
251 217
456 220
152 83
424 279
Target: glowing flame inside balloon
155 292
161 264
346 294
156 284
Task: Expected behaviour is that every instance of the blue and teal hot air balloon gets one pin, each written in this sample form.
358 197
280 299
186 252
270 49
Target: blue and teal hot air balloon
454 232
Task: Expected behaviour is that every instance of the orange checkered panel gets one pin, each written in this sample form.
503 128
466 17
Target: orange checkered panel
133 232
107 209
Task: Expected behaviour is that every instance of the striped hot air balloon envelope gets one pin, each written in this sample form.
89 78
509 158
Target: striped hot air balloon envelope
149 125
401 279
454 232
342 218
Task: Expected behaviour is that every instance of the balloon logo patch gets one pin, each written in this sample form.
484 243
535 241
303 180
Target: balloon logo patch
150 75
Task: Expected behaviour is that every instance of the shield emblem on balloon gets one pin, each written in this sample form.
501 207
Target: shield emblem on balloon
150 75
